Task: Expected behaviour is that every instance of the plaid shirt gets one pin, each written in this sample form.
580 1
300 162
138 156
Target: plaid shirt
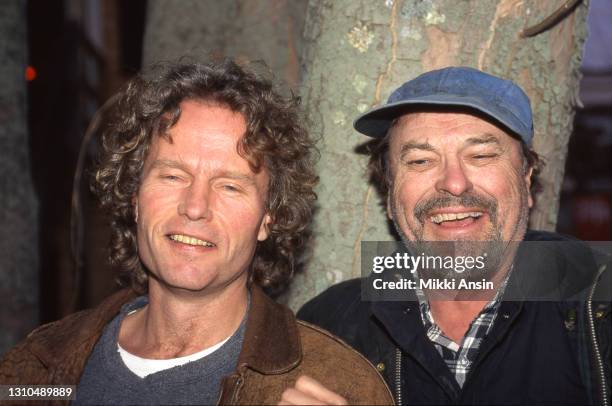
459 358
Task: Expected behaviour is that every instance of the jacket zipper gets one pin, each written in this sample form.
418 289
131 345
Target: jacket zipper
398 376
234 389
600 367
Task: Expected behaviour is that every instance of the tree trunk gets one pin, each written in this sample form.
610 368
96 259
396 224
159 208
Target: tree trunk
18 205
357 51
246 30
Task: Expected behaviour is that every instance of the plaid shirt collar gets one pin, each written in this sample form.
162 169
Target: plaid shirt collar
459 358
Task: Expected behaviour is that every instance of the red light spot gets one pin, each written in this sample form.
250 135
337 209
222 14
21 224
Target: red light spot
30 74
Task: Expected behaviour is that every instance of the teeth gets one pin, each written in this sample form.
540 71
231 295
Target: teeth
439 218
185 239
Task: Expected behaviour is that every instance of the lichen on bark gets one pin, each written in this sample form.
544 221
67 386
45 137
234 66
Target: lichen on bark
343 74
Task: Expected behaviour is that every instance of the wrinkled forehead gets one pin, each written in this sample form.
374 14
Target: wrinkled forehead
456 126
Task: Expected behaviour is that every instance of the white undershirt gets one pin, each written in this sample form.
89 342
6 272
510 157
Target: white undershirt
145 366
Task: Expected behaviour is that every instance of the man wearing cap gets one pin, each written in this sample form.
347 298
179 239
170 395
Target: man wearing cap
452 158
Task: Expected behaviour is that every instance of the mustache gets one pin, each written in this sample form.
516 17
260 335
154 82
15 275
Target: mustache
468 199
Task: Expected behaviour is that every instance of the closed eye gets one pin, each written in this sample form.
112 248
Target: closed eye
170 177
484 156
419 164
231 188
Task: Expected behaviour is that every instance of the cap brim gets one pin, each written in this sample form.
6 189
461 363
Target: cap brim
376 122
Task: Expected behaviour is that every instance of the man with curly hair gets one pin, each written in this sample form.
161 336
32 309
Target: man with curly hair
208 179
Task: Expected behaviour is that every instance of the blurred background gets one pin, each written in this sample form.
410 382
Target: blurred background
75 54
80 53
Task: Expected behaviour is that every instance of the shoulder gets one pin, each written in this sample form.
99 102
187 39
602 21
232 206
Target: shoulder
80 326
541 235
59 343
340 367
572 252
31 361
580 265
20 366
338 301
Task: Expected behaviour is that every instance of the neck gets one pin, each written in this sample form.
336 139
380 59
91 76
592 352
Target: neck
176 323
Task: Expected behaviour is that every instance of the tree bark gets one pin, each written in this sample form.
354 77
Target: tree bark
18 204
357 51
270 31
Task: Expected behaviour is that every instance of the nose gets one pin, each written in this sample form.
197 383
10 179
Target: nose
195 202
454 179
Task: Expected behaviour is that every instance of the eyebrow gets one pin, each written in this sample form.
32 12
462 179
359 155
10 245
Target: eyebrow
236 176
412 145
168 163
483 139
425 146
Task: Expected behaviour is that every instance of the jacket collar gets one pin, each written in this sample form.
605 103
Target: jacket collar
271 340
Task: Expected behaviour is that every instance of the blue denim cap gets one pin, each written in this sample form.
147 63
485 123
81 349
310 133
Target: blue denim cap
499 99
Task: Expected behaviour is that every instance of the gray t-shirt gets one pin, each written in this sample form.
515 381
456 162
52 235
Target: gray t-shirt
107 380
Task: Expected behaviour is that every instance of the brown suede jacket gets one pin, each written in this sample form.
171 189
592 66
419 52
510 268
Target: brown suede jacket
277 349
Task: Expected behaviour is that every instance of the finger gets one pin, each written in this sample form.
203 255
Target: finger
284 400
292 396
315 389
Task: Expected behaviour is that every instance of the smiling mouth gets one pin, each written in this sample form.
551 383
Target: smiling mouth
449 217
186 239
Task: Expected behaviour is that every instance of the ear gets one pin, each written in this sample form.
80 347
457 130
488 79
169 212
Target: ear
264 230
528 185
389 211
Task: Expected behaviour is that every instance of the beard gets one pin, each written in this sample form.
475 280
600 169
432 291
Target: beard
491 247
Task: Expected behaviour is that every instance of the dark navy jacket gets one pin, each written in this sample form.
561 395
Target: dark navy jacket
545 352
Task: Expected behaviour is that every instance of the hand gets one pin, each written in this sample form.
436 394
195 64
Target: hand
308 391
